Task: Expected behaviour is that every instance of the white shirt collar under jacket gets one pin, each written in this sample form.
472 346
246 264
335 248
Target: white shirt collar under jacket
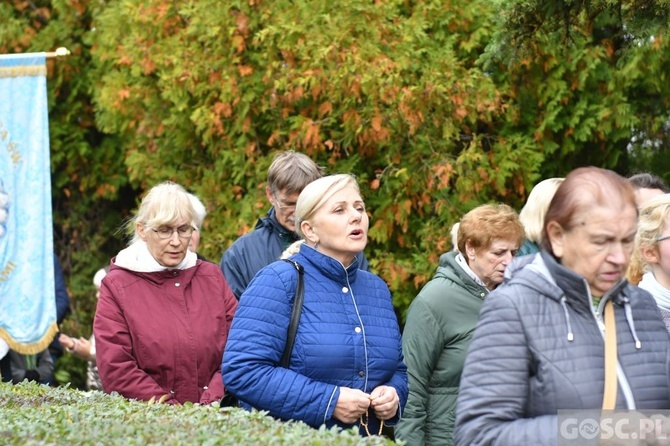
463 264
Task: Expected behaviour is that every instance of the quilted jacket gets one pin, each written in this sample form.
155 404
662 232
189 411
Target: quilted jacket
348 336
438 331
262 246
539 348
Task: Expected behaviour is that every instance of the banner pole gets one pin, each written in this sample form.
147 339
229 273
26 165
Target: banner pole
62 51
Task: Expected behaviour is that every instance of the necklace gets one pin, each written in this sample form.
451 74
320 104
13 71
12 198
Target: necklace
364 420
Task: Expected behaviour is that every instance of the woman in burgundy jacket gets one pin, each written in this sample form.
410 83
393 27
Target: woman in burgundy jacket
163 315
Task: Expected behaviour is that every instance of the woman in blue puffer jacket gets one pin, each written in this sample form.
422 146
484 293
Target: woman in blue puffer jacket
346 367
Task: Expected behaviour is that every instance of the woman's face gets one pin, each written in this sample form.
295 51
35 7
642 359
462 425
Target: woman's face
599 246
168 252
340 226
489 263
658 256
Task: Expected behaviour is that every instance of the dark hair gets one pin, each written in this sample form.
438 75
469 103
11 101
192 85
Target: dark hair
582 189
646 180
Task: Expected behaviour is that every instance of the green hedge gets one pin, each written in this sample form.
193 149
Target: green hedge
32 414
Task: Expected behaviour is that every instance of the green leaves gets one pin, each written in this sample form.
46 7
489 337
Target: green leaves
436 107
37 414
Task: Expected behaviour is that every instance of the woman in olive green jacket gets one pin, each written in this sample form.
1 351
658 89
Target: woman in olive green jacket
442 318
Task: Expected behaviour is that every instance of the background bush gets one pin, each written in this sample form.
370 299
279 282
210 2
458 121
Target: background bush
35 415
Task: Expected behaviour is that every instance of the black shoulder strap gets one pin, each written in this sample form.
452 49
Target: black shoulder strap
295 316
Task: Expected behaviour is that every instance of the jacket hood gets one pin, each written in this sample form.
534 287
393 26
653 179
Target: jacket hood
450 269
137 258
531 271
543 273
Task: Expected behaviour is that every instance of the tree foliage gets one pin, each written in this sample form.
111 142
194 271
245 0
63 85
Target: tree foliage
590 76
206 93
436 107
89 181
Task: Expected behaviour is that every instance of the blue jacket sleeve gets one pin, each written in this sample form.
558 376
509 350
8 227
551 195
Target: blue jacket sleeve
233 268
494 385
62 298
255 344
400 378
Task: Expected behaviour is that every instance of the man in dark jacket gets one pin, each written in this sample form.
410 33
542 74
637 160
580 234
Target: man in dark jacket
288 174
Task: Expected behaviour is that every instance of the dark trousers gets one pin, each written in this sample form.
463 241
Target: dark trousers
6 369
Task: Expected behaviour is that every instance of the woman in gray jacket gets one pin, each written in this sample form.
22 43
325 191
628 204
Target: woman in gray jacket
539 343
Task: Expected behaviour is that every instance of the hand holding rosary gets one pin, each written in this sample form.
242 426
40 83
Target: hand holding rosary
365 419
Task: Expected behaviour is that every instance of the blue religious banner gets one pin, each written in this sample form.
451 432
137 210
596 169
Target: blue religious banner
27 296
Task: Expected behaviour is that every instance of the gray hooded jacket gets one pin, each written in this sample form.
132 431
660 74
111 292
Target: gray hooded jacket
538 348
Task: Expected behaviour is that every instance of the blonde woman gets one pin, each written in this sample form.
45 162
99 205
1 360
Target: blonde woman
533 212
651 259
163 316
346 366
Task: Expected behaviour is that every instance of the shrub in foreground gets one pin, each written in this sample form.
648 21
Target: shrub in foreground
32 414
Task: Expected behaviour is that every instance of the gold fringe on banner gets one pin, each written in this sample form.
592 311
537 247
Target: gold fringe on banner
26 70
32 70
33 348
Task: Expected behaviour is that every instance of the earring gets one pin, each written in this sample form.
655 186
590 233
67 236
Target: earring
316 244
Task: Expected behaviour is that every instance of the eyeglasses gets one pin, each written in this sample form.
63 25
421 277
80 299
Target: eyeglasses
662 237
165 233
283 206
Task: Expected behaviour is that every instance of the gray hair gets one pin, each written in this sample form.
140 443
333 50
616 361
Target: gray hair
200 211
291 172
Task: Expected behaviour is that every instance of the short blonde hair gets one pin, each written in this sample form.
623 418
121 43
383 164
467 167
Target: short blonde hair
533 212
489 222
165 204
651 224
316 193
